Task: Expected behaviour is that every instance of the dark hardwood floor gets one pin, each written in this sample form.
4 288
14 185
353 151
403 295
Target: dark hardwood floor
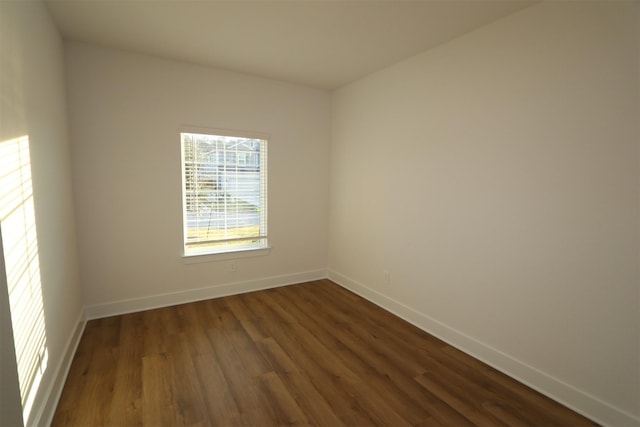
308 354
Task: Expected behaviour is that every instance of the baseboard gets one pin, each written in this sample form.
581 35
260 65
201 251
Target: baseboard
165 300
43 416
575 399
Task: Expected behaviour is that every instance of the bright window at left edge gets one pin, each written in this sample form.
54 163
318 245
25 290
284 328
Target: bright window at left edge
22 263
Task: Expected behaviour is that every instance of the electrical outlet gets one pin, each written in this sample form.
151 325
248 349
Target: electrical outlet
233 265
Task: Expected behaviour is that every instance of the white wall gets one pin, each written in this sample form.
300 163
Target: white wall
496 178
126 111
10 405
33 104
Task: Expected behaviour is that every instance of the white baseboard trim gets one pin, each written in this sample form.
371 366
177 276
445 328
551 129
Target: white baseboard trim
575 399
43 416
165 300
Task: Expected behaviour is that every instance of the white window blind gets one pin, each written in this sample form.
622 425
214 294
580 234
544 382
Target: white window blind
224 192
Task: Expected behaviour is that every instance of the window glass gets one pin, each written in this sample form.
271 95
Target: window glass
224 192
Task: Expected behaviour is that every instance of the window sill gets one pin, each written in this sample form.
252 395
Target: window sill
225 256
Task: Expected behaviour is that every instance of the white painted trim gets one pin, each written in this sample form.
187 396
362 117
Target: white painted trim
225 256
205 130
566 394
43 415
164 300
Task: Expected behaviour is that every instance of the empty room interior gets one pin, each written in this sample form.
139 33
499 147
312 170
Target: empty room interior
320 212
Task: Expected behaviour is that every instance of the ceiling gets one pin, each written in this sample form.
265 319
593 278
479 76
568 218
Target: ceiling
324 44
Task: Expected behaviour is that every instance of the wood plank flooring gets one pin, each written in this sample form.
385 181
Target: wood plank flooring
308 354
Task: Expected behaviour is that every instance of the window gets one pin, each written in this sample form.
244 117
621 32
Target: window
224 187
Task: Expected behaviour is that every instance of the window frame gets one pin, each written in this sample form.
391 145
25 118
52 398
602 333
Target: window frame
227 252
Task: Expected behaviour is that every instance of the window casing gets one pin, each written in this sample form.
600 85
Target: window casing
224 191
